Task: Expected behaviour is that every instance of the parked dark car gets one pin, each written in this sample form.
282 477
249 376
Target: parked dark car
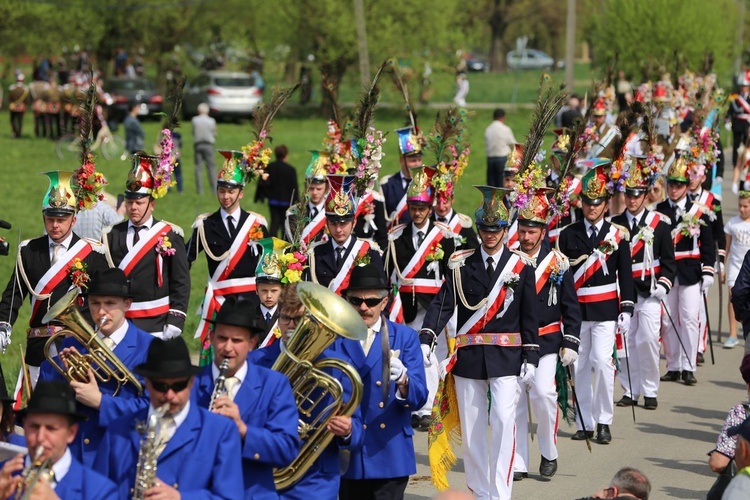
127 91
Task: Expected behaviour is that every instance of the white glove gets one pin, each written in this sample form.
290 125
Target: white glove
427 356
623 323
443 368
736 187
398 370
171 331
527 373
4 337
659 294
568 356
728 125
719 180
706 282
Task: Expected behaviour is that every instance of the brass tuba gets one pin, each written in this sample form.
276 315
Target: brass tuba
326 316
106 366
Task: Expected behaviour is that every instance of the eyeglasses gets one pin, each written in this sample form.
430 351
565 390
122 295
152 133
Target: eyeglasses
358 301
290 319
164 387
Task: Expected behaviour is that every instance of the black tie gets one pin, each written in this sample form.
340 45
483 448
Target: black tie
136 237
441 219
420 238
268 317
634 226
592 238
314 212
339 256
232 228
490 268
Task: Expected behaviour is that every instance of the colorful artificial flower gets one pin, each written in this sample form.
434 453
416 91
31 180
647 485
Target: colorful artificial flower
608 245
89 185
164 247
436 253
256 158
78 273
165 166
255 233
510 280
369 156
690 225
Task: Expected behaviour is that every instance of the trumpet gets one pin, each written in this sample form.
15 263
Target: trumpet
32 473
327 316
104 363
220 388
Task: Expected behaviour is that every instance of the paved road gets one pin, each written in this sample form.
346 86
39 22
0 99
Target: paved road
669 445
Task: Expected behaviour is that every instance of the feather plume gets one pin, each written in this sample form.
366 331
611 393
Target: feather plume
172 121
85 124
366 105
265 112
448 131
548 104
402 87
330 88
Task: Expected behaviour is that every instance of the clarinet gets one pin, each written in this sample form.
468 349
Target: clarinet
220 388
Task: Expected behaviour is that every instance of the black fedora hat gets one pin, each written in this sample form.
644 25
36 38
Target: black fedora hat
109 282
367 277
167 359
53 397
239 312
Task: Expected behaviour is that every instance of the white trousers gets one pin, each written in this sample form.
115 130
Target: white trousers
594 374
431 372
684 303
642 351
488 466
543 396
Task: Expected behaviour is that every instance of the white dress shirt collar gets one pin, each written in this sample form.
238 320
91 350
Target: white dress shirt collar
598 226
235 214
264 310
147 223
179 418
240 376
345 245
118 335
495 258
65 243
60 468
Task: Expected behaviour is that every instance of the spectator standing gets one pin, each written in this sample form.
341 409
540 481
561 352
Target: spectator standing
737 230
569 116
499 141
204 136
134 134
280 188
90 223
462 89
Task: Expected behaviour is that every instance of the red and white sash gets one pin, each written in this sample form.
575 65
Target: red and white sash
512 237
648 266
408 283
744 105
696 210
219 286
542 271
314 227
593 263
271 337
58 272
398 213
341 281
145 244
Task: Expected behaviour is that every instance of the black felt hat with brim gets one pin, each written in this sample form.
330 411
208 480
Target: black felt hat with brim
53 397
167 359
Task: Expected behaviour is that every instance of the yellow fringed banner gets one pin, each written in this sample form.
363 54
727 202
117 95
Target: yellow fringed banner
445 431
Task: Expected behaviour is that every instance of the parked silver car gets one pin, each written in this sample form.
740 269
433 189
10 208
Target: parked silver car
531 59
228 94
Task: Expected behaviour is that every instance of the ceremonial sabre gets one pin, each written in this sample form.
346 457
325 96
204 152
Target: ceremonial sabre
674 327
708 325
721 293
578 408
627 368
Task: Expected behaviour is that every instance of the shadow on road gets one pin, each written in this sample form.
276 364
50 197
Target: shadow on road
731 385
693 434
718 415
674 492
694 466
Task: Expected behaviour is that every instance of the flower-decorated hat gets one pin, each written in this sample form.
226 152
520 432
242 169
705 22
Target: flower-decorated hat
492 214
341 202
270 268
562 141
420 189
409 141
678 170
594 183
536 210
600 107
141 182
447 141
232 173
60 199
638 180
513 164
696 171
317 170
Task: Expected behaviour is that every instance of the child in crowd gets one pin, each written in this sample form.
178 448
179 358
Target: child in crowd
737 230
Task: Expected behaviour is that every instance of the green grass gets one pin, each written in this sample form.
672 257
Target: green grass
25 159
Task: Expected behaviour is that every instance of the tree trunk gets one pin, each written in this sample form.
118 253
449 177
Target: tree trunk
498 24
333 72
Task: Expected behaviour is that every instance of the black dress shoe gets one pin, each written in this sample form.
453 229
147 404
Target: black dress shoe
547 468
581 436
688 378
415 420
603 436
518 476
670 377
424 423
700 360
650 403
627 401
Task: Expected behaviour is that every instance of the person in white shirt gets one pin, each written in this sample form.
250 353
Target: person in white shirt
737 230
499 141
204 136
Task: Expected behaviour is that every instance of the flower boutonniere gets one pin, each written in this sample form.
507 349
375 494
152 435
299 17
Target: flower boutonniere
646 234
164 247
690 225
555 274
255 233
510 280
277 332
362 260
78 272
436 253
608 246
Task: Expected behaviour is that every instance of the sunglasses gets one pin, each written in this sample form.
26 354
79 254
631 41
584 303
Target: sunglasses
358 301
164 387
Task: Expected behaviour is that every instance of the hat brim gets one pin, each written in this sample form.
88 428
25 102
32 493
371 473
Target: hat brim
339 218
130 195
78 417
368 284
229 185
254 327
677 180
56 212
151 373
531 223
593 201
272 280
491 229
110 293
635 191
